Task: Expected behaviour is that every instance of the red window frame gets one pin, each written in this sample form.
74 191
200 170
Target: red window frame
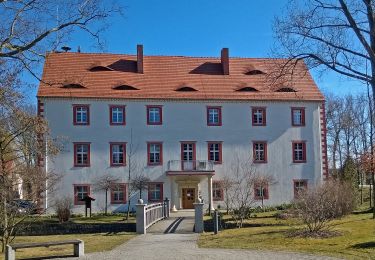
305 182
209 143
149 163
221 198
266 194
219 123
121 186
111 107
253 110
76 201
302 109
303 151
160 108
111 153
194 153
161 191
75 145
265 151
75 106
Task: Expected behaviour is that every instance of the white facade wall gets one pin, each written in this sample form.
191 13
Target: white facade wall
184 121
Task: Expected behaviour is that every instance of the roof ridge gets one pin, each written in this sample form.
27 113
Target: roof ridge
167 56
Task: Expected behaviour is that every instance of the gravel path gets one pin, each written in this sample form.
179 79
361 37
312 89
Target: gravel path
182 244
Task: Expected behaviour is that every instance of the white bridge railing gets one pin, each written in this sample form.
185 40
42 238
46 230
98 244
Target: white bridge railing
147 215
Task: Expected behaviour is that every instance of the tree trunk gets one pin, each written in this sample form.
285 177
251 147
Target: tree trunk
106 202
372 133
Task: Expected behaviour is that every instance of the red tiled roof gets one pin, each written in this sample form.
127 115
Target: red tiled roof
164 74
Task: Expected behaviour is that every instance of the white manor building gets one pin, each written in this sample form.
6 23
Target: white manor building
186 118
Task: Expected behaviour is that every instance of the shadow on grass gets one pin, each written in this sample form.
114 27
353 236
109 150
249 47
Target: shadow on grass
281 232
366 211
48 257
364 245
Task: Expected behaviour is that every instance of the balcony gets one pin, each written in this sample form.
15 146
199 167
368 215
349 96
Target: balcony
190 167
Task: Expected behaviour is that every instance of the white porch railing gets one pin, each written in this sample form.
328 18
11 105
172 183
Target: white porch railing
190 166
147 215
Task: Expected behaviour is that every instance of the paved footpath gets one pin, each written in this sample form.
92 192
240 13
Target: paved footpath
165 240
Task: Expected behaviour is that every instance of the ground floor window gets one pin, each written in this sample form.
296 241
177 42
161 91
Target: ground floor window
155 191
217 191
299 187
261 191
118 193
81 192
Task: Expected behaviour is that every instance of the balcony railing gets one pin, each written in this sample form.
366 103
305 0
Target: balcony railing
190 166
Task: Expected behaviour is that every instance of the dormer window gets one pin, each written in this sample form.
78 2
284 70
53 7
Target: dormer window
100 68
125 87
254 72
286 89
186 89
73 85
247 89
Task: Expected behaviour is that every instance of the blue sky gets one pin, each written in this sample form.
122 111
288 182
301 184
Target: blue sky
199 28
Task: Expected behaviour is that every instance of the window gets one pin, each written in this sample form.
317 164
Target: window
155 191
299 151
261 191
298 116
154 115
81 115
188 155
259 152
214 116
217 191
118 193
81 191
81 154
118 154
259 116
215 152
155 153
299 187
117 115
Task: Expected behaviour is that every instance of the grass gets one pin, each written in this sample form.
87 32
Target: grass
93 243
356 242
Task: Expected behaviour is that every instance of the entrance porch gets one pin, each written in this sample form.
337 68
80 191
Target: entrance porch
189 181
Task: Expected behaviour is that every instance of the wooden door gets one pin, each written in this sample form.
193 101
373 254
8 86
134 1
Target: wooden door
188 198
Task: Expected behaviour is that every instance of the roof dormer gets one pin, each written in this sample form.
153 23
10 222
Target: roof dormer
185 89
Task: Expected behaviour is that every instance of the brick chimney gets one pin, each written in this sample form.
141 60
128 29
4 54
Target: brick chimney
140 58
225 60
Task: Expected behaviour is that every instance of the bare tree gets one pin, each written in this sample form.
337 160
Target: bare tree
262 183
106 183
333 118
140 183
30 28
239 184
337 35
133 169
24 140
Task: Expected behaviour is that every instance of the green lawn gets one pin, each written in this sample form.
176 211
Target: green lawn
95 219
93 243
356 242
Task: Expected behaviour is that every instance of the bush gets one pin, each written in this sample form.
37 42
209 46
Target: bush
62 208
318 206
